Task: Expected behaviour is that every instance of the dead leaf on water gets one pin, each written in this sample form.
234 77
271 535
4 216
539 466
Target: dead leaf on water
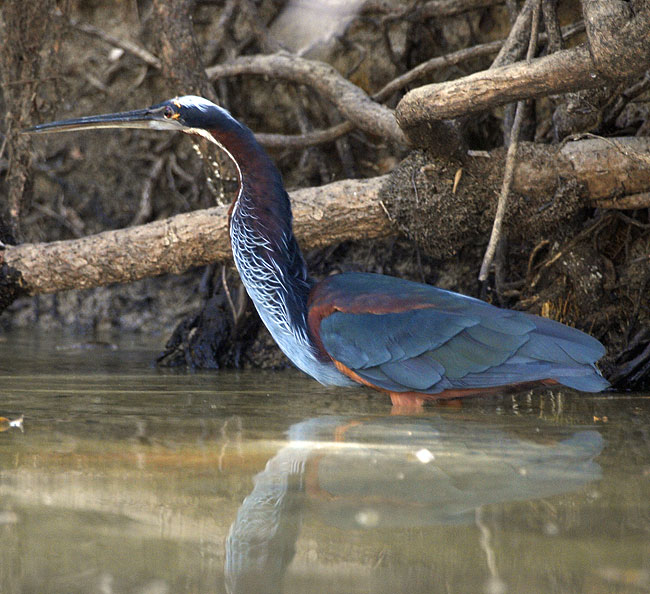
6 423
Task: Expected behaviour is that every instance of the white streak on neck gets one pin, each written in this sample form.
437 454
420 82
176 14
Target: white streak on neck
298 346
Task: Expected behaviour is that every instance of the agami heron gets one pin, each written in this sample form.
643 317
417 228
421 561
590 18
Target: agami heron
411 340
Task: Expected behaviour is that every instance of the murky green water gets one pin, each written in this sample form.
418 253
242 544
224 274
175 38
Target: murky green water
127 479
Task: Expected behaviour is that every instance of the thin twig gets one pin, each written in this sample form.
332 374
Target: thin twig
62 219
632 221
145 209
584 233
125 44
515 44
625 98
503 196
305 128
421 70
513 50
329 135
298 141
226 290
552 26
242 304
510 160
5 139
531 259
447 8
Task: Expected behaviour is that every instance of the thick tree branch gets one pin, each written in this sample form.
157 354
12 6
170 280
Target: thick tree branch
333 213
629 202
177 47
618 48
552 26
26 61
610 169
551 188
331 134
352 101
419 71
562 71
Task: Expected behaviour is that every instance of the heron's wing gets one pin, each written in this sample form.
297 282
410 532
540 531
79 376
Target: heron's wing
402 336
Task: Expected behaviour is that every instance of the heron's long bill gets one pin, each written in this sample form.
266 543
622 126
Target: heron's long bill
151 118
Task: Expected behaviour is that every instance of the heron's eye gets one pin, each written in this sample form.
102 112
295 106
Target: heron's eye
168 112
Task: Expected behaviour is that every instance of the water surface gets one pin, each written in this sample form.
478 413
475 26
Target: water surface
128 479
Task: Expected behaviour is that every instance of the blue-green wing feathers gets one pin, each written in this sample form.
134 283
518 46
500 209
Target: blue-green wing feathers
420 338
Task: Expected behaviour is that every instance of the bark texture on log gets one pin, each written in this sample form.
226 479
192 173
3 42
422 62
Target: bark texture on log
333 213
606 167
618 38
27 52
562 71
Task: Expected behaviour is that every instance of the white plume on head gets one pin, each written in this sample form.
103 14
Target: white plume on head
201 103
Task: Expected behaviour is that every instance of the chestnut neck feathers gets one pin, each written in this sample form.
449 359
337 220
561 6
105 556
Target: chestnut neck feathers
266 253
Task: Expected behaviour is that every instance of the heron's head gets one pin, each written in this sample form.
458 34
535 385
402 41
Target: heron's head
190 114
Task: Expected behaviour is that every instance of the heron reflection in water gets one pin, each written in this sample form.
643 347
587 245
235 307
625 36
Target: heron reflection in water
397 472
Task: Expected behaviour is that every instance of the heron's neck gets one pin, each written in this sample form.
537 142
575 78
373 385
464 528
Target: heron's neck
265 250
267 255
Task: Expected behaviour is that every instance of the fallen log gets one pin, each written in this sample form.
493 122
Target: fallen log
613 173
324 215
